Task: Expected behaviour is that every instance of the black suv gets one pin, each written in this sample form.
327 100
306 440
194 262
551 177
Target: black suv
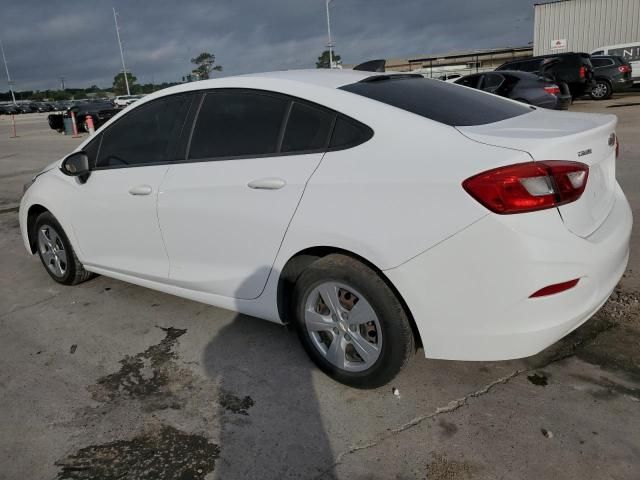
574 69
612 74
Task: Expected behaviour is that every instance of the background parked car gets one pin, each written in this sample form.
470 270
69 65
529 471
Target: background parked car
125 100
574 69
9 109
43 107
629 51
521 86
449 77
100 112
27 108
612 74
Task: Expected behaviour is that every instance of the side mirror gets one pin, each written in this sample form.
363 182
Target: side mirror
76 165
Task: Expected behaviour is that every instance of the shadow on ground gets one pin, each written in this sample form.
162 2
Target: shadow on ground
270 418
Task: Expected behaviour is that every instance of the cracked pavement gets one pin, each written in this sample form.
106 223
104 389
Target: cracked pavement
160 387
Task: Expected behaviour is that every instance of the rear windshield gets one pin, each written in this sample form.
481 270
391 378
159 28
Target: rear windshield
437 100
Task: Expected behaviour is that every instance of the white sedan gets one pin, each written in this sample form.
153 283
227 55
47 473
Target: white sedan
374 212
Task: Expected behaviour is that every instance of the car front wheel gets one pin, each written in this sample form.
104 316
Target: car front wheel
351 323
56 252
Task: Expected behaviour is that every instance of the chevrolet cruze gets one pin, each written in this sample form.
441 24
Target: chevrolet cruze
374 212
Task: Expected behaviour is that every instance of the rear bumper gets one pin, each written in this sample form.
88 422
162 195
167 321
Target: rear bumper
470 294
622 85
563 102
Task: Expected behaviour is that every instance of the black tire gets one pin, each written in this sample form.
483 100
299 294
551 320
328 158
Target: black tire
398 343
602 90
74 273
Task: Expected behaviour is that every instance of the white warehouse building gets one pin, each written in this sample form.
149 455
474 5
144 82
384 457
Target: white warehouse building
585 25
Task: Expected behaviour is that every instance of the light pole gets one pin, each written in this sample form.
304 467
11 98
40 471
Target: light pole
124 69
330 44
8 76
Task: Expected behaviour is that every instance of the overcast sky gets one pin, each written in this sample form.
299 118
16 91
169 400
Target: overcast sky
45 40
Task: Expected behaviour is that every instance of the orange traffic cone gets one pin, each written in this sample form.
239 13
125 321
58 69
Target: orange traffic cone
89 122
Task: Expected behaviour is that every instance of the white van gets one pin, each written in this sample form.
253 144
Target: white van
629 51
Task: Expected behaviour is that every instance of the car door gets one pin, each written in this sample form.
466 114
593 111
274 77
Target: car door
115 218
225 209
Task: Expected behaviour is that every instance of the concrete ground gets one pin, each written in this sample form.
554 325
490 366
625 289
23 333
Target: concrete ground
107 380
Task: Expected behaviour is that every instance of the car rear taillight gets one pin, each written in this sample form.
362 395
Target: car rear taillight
624 68
552 89
527 187
583 71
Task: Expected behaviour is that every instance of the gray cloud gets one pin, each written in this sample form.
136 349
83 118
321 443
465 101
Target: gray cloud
76 39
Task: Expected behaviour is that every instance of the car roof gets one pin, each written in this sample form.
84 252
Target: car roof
323 77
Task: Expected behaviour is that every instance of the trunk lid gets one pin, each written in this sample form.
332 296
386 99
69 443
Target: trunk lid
549 135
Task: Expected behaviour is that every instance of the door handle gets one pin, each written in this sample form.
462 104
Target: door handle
267 184
141 190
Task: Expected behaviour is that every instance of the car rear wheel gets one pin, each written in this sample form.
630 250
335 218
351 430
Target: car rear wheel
56 253
602 90
351 323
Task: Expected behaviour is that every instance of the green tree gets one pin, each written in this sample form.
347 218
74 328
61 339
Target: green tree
323 60
119 85
205 65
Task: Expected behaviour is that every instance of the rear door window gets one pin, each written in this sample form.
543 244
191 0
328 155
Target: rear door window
232 124
436 100
601 62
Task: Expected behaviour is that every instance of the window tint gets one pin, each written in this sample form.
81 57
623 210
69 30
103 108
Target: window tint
145 135
599 52
237 123
347 133
601 62
491 80
308 128
439 101
530 65
471 81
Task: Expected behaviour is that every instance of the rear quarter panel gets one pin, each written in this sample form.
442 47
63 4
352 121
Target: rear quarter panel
396 195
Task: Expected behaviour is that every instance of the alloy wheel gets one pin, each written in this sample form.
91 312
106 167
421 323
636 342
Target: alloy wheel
601 90
52 250
343 326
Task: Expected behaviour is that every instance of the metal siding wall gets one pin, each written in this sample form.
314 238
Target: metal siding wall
586 24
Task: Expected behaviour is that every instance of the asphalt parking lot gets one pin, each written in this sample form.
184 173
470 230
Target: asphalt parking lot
108 380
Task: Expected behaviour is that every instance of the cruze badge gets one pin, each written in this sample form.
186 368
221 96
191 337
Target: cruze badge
585 152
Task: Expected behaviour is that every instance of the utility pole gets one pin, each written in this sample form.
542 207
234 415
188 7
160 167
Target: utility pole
124 69
330 44
8 76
